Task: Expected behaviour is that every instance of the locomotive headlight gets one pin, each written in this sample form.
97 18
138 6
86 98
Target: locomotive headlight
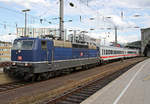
19 51
27 64
13 63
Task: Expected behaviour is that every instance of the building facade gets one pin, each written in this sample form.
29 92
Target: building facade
5 51
38 32
82 38
145 40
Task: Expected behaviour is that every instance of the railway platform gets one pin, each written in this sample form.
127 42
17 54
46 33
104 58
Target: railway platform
133 87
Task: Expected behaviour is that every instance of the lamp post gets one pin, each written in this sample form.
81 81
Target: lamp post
25 27
115 28
61 20
115 35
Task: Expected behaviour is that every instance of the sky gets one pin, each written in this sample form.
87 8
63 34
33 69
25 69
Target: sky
129 16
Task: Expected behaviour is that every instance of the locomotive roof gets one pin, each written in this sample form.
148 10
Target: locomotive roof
116 47
29 38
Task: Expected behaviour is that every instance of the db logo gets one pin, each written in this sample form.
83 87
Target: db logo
81 54
19 57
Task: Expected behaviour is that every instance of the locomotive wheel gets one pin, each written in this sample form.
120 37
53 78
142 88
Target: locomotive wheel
28 77
51 74
10 74
41 77
66 71
47 76
85 67
34 77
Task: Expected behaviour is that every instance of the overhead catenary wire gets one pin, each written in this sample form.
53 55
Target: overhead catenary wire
19 12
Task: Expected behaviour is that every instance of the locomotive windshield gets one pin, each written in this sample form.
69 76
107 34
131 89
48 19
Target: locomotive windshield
23 45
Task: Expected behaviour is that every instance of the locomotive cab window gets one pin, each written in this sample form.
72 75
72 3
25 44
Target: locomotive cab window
43 44
23 44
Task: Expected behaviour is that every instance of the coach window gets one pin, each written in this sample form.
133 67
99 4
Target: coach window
43 44
104 52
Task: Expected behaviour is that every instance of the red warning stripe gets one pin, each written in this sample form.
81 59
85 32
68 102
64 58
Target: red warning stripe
119 55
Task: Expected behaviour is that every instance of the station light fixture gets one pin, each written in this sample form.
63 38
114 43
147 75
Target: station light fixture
69 20
91 18
136 15
92 29
71 4
70 30
25 10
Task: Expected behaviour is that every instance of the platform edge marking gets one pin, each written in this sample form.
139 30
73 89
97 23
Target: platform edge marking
127 86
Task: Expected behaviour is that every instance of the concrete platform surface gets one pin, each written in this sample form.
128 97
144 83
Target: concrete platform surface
133 87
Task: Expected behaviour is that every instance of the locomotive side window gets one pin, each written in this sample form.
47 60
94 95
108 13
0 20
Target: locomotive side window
43 44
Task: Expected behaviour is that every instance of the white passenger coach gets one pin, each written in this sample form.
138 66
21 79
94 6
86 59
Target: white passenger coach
109 53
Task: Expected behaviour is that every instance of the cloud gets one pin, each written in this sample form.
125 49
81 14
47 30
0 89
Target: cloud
28 3
130 3
110 37
8 38
121 3
97 9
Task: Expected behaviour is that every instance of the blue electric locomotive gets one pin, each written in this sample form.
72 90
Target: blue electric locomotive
43 58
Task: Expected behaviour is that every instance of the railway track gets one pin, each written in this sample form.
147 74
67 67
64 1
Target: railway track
79 94
69 89
12 85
